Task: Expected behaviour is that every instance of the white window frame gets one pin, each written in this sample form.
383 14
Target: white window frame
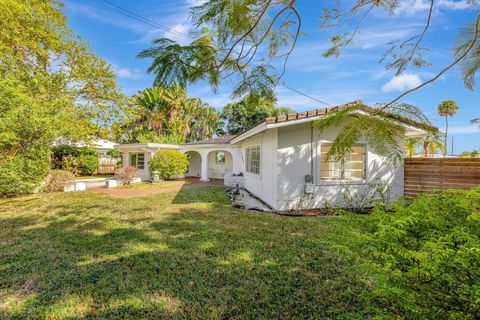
342 169
136 165
247 159
216 157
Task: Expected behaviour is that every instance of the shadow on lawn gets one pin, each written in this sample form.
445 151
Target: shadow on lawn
206 261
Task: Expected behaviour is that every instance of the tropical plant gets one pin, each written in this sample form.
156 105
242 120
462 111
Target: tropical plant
447 108
126 175
432 144
51 85
381 128
168 163
241 39
57 180
251 110
427 250
411 145
168 114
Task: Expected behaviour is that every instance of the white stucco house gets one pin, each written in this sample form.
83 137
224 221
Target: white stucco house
280 161
101 146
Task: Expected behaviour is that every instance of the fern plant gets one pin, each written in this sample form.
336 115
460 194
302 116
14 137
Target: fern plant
380 126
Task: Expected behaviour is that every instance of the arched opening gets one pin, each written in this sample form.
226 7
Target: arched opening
219 163
194 164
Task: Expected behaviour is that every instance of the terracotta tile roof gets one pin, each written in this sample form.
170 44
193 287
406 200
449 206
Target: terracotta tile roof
218 140
320 112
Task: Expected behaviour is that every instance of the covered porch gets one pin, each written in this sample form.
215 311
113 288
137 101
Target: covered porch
212 162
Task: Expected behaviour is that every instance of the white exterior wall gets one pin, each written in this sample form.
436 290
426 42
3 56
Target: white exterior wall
194 165
263 185
217 170
142 173
293 163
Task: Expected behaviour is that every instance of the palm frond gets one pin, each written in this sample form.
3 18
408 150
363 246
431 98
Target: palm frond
471 64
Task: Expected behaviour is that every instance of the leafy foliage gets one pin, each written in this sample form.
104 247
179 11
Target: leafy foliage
251 110
380 127
431 145
168 163
75 160
57 180
51 85
168 115
126 174
429 253
251 40
447 108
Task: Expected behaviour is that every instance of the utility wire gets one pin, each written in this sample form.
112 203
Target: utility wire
138 17
154 24
305 95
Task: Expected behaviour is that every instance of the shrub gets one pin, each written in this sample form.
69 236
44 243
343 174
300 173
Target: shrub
69 163
23 174
57 180
126 174
429 253
76 160
88 164
168 163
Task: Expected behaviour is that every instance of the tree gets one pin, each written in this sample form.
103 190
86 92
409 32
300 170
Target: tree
51 85
241 39
251 110
245 40
168 164
168 115
447 108
411 145
432 144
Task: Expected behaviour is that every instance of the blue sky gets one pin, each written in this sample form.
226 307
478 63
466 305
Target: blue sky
356 74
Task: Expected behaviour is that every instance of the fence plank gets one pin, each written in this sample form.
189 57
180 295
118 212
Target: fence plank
424 175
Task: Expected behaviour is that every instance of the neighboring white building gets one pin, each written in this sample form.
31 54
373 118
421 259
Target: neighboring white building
280 159
101 146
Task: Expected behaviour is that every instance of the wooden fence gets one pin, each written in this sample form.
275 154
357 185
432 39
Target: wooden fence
106 164
423 175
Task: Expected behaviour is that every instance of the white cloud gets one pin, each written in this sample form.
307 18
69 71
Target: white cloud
412 7
127 73
402 82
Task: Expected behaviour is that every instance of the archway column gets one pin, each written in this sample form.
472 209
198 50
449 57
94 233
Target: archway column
204 167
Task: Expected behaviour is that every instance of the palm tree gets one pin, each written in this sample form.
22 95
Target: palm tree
475 121
432 144
447 108
411 145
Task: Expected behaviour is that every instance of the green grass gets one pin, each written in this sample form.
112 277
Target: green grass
175 255
95 177
162 184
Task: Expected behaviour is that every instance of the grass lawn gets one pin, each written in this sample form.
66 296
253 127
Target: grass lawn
161 184
175 255
94 177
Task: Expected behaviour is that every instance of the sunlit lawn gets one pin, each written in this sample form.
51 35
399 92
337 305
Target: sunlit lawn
174 255
161 184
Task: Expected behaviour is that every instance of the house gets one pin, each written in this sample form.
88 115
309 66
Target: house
101 146
279 161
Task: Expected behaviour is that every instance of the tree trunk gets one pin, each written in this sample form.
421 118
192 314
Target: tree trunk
446 137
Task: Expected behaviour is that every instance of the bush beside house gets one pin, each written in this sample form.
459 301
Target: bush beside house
168 164
57 180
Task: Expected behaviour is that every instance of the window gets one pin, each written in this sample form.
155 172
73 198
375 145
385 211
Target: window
137 159
253 159
351 167
220 157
